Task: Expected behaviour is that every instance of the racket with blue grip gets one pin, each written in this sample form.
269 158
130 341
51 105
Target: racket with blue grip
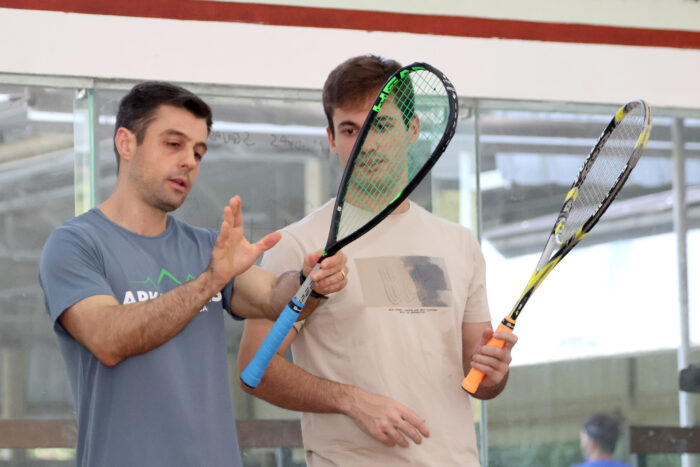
406 130
252 374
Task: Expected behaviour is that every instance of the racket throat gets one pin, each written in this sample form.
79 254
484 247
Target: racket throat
548 252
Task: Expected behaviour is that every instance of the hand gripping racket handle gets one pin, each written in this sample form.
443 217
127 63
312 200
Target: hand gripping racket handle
253 373
474 377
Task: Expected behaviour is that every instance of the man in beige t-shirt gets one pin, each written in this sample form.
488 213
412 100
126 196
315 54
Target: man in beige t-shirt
380 363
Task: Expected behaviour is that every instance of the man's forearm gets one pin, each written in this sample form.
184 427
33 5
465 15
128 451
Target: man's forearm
137 328
288 386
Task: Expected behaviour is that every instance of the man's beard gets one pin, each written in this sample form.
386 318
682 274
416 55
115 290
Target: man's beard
159 199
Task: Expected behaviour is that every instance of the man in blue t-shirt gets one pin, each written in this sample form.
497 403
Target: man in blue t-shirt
137 297
598 438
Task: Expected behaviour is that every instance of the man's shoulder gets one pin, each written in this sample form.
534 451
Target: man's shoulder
426 218
79 226
319 217
77 237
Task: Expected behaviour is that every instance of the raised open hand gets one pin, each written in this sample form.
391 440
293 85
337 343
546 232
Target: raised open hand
233 253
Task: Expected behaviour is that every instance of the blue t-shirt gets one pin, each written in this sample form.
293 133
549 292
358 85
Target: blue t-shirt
603 463
170 406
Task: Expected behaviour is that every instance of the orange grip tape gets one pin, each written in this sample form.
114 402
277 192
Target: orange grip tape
475 377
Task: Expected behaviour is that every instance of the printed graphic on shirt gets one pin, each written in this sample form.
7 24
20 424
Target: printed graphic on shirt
163 283
408 284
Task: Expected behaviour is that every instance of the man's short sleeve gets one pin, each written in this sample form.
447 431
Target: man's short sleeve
70 270
477 307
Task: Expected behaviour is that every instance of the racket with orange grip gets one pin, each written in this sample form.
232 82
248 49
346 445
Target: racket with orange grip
603 174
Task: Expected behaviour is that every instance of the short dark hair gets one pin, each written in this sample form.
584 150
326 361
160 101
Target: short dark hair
355 80
137 108
604 430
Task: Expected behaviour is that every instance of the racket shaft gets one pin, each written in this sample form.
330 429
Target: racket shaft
253 372
475 377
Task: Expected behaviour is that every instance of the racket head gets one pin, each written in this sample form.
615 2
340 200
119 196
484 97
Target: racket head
601 177
407 129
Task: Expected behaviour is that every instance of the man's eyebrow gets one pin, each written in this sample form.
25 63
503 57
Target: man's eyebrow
173 132
347 123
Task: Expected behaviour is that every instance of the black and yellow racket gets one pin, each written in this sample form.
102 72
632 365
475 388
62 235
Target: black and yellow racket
603 174
407 129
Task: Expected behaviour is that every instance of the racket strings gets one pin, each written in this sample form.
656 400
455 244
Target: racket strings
605 171
401 140
369 191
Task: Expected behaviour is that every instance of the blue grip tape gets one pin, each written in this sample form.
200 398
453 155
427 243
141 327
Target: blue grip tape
253 372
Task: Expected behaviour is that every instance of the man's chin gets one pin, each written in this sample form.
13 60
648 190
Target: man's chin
169 206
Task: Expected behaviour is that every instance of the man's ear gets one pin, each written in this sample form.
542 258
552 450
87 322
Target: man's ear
331 140
125 142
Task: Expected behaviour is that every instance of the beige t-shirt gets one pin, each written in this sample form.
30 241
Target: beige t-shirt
395 330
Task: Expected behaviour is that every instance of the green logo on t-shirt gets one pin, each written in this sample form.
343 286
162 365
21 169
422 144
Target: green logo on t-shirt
164 273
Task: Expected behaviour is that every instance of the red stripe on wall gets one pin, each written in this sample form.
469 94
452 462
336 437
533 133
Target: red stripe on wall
283 15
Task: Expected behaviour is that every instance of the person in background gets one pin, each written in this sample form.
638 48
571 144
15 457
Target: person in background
598 437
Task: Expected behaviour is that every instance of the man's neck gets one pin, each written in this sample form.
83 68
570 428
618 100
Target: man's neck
134 215
367 205
598 454
403 207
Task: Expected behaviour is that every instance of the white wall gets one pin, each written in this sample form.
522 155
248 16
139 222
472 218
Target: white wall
40 42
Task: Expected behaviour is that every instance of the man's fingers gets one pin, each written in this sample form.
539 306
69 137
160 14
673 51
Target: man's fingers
332 276
493 368
489 353
313 258
223 233
488 371
490 362
235 205
331 284
486 336
268 241
410 431
509 338
397 437
417 422
332 266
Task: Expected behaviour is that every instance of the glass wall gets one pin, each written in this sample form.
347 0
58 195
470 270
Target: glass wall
36 196
599 335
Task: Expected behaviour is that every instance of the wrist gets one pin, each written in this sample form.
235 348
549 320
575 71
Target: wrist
489 392
346 400
211 285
